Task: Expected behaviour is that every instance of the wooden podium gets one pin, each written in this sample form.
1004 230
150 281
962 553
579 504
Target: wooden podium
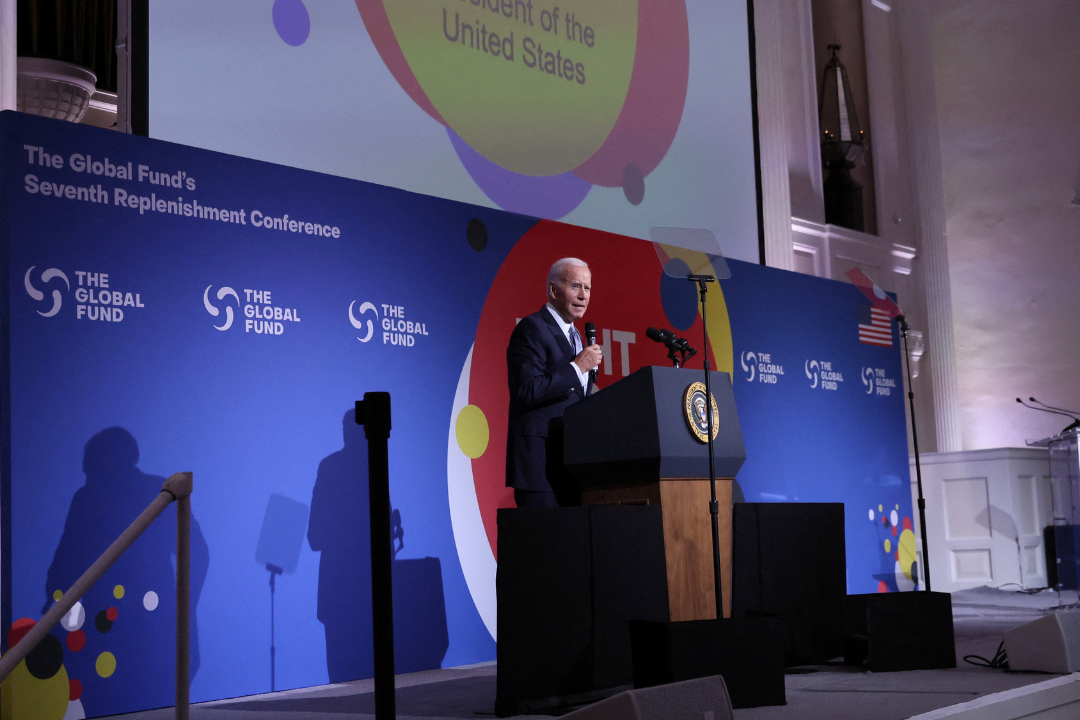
631 444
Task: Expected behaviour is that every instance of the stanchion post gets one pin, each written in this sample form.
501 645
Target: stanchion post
183 605
373 412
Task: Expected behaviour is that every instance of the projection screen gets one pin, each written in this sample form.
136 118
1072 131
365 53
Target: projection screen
614 115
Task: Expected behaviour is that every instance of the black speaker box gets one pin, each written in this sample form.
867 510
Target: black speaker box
629 583
568 584
788 560
1050 552
748 652
1062 544
885 632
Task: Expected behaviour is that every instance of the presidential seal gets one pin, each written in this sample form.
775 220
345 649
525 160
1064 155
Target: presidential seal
694 412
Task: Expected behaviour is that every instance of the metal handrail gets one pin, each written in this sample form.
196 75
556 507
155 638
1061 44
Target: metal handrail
177 487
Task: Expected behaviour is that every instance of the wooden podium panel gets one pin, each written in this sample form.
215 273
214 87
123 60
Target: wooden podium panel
687 538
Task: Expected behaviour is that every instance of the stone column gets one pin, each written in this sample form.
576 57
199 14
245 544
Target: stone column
8 54
123 66
775 183
919 91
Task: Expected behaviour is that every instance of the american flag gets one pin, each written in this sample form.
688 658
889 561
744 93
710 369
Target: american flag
874 326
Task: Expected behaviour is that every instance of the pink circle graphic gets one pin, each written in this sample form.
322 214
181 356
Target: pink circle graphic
382 35
654 103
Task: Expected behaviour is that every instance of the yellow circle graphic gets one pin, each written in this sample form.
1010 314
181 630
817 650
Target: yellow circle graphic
24 696
719 325
472 431
906 548
534 88
118 592
57 595
888 545
106 664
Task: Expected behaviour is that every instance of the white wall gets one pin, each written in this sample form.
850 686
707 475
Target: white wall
1008 99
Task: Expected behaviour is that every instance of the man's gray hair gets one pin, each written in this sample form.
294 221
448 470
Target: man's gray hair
556 272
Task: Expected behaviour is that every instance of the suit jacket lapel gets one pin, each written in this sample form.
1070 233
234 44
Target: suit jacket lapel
568 349
557 332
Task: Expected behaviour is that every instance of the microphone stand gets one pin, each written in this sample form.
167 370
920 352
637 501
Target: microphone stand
274 572
714 506
674 357
904 327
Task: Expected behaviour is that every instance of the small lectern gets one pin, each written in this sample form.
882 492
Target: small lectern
634 443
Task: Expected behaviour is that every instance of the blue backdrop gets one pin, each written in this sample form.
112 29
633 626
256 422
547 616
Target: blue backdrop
120 363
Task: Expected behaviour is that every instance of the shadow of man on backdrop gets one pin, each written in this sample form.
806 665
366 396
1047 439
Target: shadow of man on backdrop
340 528
124 657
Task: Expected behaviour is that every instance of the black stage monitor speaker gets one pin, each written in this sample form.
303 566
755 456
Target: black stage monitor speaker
748 652
1062 550
570 581
779 547
886 632
700 699
1049 644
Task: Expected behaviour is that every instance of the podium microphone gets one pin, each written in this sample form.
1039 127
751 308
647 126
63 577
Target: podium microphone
590 340
1051 407
1071 416
661 336
1043 409
676 346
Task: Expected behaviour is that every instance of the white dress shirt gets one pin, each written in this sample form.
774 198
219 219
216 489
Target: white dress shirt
583 377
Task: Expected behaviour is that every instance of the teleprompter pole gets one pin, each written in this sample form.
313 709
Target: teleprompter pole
714 506
274 572
183 606
915 446
373 412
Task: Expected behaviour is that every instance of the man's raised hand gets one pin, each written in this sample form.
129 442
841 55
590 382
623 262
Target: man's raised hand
589 358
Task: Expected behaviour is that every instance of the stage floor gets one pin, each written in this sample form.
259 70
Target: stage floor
821 692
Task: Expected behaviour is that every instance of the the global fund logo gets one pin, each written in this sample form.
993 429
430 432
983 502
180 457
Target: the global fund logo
821 375
761 367
877 382
261 315
397 329
96 295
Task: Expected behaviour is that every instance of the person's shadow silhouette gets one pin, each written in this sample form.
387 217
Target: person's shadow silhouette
130 612
339 528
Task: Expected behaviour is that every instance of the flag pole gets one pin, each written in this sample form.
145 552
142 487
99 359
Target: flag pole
915 446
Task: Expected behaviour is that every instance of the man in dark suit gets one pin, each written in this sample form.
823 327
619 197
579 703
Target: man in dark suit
548 369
